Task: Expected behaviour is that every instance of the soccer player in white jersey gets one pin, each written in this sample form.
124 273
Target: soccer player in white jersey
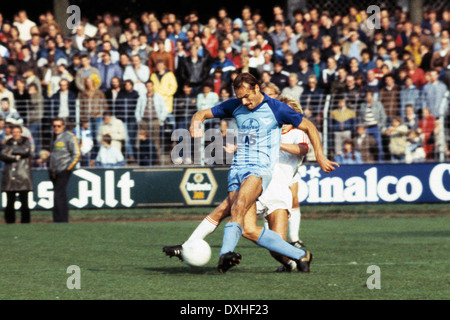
276 200
294 212
259 119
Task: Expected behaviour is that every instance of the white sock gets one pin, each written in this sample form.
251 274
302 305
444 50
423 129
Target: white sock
266 223
294 225
204 229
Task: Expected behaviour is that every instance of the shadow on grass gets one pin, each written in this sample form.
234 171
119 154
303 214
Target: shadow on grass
201 270
182 270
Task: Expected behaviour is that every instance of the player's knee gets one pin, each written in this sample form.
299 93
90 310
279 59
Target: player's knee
251 234
239 208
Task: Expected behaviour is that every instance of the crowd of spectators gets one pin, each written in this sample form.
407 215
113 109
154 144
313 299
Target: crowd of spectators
137 79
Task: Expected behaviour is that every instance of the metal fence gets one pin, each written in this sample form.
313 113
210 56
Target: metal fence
402 126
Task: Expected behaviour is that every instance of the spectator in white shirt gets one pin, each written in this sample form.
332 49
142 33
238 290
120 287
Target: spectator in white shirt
108 155
24 25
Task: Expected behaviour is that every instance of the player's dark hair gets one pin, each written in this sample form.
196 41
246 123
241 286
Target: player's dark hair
245 78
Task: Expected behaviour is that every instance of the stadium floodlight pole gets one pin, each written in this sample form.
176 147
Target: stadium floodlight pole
326 108
60 12
443 107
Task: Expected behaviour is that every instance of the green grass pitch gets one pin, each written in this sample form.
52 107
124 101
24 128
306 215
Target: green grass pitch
124 260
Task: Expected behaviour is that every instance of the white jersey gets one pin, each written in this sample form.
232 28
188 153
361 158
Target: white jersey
288 161
278 195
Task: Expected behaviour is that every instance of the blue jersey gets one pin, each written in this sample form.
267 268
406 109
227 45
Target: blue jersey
259 130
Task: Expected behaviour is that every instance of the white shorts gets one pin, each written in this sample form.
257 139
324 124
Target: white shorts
295 179
277 195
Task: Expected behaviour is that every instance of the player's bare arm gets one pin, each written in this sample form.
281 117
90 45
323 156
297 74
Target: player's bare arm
311 130
295 149
197 121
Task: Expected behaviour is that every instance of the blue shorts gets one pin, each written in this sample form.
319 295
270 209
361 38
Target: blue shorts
237 174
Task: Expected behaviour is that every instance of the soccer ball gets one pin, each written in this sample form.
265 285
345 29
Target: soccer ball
196 253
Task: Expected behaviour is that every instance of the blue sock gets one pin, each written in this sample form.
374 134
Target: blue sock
231 234
274 242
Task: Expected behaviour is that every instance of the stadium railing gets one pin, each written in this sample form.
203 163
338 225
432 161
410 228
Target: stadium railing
166 140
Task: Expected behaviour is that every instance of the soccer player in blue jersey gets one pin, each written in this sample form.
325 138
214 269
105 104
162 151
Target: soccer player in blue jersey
259 119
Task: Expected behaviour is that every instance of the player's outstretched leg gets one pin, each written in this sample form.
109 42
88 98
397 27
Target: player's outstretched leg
204 229
174 251
304 262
